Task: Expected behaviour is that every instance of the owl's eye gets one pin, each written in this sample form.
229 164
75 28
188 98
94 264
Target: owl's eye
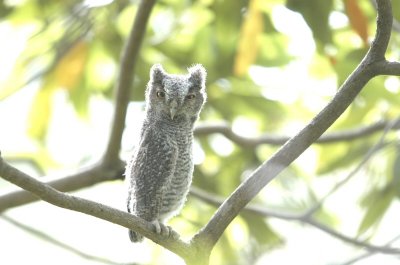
161 94
190 96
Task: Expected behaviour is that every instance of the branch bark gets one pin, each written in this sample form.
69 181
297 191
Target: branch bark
125 78
369 67
85 178
67 201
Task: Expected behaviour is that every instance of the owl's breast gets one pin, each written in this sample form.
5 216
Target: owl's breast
178 186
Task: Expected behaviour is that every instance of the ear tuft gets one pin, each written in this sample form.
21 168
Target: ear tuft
198 75
157 73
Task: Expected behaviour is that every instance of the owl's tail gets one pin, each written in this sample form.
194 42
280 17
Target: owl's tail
135 237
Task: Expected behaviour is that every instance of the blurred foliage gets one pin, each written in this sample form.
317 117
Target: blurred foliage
74 47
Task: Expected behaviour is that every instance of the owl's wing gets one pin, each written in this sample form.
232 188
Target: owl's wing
152 168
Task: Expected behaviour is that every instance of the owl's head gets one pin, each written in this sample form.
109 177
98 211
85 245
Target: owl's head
176 97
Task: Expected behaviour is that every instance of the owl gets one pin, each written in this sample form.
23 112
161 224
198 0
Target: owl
160 171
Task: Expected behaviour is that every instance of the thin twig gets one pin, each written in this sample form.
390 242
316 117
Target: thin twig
370 253
300 217
250 142
376 147
56 242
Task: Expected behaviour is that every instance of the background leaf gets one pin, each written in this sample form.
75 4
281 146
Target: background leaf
357 19
378 203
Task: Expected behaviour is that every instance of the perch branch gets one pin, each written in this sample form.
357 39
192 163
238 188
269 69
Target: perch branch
64 200
366 70
100 173
86 178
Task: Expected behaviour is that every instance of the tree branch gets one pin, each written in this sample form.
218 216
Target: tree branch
372 151
111 167
370 252
301 217
56 242
64 200
366 70
100 173
251 142
86 178
126 73
387 68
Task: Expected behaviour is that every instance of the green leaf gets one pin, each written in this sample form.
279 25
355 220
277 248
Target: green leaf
79 97
347 61
396 9
395 181
260 230
396 167
340 155
379 202
316 14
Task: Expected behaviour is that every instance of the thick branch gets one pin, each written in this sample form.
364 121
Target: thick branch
213 230
86 178
100 173
128 61
384 24
51 195
387 68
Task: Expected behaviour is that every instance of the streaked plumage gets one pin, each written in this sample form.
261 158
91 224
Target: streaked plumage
161 168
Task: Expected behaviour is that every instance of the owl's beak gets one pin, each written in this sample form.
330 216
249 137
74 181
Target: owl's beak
173 109
172 112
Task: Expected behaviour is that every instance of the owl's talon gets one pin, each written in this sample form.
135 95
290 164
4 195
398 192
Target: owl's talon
164 230
174 234
157 226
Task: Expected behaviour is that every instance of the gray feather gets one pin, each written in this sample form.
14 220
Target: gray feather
160 170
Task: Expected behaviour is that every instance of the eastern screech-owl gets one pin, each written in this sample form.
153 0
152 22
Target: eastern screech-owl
160 171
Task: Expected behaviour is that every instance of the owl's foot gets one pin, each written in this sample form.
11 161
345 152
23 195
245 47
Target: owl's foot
164 230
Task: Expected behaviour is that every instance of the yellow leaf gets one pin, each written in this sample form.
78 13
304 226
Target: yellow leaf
358 20
66 74
250 34
40 113
69 69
